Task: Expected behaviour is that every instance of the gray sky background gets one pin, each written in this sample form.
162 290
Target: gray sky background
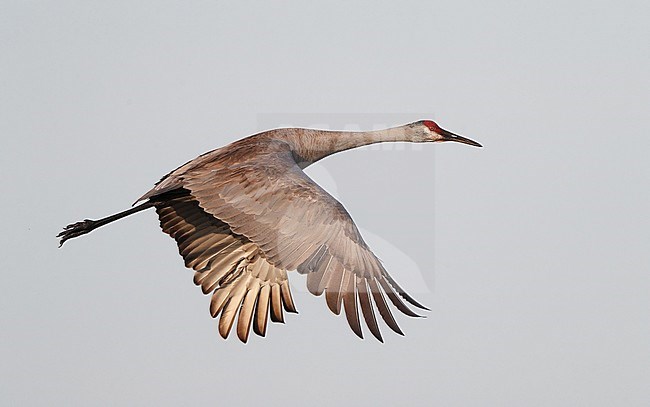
532 253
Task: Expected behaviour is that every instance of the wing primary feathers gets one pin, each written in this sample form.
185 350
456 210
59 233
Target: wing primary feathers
217 302
395 299
262 310
366 308
232 306
276 304
246 312
333 290
350 304
287 300
382 306
403 293
221 295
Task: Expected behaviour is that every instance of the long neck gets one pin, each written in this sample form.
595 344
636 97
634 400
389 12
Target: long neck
313 145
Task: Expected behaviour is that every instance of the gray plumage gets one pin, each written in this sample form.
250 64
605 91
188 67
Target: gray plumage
245 214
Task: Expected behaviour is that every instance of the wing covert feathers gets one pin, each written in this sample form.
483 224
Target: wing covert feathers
241 219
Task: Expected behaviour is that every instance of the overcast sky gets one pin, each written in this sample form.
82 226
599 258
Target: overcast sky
532 252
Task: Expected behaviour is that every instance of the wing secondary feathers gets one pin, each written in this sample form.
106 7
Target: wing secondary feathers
266 206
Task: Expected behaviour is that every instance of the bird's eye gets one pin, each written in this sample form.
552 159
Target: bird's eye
431 125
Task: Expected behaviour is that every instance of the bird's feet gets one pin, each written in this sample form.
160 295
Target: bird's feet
76 229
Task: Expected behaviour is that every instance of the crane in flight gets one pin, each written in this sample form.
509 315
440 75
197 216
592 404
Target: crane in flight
245 214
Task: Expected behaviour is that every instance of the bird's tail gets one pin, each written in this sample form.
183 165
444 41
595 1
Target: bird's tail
87 225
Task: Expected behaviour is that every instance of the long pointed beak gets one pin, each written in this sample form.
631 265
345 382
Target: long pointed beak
449 136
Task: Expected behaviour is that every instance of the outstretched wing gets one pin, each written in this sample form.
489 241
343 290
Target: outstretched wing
299 226
231 267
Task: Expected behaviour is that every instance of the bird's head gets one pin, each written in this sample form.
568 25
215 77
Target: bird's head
431 132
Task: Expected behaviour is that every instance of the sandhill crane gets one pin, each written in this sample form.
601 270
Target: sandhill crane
245 214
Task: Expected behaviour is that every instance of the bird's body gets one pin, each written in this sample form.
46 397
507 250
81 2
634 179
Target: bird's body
245 214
